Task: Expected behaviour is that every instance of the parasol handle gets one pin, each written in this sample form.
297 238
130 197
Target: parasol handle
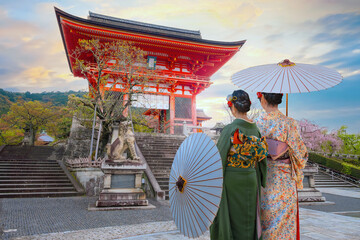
287 108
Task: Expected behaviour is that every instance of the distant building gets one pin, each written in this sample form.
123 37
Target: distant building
44 138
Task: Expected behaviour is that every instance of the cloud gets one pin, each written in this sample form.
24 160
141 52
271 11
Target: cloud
227 13
343 30
38 75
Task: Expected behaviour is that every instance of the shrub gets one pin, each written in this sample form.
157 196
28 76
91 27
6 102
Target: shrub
355 162
346 169
338 165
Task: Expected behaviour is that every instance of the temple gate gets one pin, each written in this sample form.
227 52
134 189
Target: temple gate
183 62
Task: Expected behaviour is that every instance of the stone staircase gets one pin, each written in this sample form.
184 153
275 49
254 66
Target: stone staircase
324 180
29 172
159 151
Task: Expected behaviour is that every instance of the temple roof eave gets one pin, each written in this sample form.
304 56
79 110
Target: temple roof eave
158 34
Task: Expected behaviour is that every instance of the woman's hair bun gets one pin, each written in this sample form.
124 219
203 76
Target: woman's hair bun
242 102
273 98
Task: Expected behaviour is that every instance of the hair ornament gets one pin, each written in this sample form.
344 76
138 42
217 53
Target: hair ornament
259 95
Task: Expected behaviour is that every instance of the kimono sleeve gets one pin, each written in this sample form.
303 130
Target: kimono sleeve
224 144
297 147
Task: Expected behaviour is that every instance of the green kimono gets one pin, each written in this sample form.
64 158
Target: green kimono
238 212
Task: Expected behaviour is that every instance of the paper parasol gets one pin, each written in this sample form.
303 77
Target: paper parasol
286 77
195 185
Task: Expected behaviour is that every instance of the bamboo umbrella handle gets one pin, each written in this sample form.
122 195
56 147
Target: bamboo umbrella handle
287 112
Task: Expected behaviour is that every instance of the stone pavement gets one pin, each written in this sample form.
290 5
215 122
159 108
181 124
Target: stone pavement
314 225
68 218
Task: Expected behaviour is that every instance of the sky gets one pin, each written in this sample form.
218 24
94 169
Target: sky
320 32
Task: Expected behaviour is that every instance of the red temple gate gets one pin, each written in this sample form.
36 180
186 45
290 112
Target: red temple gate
181 59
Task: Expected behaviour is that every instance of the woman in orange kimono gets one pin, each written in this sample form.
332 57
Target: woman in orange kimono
287 157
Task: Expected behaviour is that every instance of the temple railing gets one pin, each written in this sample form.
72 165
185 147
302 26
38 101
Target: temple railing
189 129
84 163
336 174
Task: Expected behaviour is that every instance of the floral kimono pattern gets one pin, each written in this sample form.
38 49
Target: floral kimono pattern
279 203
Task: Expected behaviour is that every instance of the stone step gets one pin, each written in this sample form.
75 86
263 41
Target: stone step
27 177
333 185
31 170
34 181
327 180
163 182
161 164
153 156
29 166
27 161
39 194
159 154
162 178
32 174
37 189
162 159
157 171
36 185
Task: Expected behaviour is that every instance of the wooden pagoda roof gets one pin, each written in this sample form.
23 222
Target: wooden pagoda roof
200 114
187 46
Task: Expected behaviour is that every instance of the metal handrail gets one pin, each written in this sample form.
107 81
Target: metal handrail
335 174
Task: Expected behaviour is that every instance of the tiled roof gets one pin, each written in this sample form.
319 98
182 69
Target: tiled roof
201 114
144 26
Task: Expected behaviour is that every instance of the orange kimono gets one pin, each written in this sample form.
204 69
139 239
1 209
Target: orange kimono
279 202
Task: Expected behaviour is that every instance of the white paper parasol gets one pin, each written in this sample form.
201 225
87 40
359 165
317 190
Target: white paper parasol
286 77
195 185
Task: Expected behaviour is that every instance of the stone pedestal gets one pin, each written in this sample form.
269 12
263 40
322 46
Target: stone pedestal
122 184
309 193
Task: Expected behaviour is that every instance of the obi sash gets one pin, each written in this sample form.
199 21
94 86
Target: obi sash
277 149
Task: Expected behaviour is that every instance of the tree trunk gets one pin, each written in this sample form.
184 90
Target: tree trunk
32 135
104 139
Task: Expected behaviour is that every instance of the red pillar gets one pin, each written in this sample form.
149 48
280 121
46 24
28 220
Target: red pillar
172 113
193 110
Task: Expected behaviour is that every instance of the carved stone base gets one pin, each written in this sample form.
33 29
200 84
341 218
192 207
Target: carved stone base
310 195
122 197
122 185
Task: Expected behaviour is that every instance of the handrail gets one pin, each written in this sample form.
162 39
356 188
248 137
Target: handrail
187 129
336 174
159 193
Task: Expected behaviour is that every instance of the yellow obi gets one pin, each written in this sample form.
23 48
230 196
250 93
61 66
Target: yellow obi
246 151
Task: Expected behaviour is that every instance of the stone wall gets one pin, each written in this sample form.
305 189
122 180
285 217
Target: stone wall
92 179
78 144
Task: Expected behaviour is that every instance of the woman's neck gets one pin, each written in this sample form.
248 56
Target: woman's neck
271 108
242 116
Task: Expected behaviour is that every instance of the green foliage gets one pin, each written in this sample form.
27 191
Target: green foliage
355 162
33 116
346 168
111 102
337 165
56 98
351 142
8 135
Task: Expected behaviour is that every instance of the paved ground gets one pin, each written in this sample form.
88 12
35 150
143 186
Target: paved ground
30 216
68 218
343 204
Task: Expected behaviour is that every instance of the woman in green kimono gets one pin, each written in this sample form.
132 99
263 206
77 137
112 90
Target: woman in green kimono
243 153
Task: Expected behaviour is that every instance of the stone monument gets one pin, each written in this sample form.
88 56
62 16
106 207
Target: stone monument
123 171
309 194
